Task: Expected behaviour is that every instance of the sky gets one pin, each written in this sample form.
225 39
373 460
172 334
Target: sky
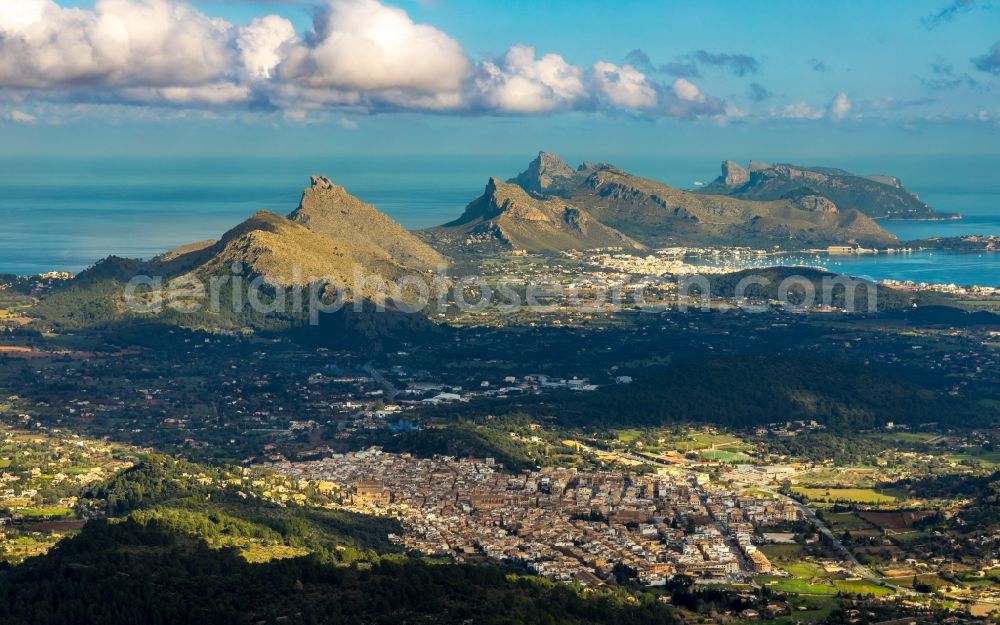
770 79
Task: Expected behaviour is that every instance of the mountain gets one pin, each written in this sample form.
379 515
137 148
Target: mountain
285 251
876 196
547 174
368 234
657 214
329 235
506 217
332 237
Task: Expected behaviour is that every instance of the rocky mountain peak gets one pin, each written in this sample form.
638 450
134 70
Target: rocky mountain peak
549 163
733 175
547 172
330 210
320 182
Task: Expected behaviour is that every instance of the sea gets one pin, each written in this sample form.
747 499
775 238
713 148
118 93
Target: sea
65 213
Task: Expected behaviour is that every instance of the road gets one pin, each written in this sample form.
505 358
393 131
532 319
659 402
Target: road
859 569
390 390
746 570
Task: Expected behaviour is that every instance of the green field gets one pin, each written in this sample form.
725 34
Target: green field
806 570
931 579
844 495
861 587
46 513
796 586
628 436
908 437
986 459
725 456
779 553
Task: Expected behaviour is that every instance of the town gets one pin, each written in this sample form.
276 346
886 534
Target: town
564 524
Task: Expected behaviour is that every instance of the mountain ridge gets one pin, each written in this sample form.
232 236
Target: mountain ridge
656 214
507 217
878 196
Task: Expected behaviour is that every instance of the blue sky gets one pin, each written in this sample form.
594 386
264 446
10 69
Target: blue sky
770 79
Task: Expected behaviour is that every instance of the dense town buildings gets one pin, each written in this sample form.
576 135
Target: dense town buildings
564 524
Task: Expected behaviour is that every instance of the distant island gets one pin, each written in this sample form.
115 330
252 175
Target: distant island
877 196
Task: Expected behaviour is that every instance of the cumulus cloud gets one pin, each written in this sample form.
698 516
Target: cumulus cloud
358 56
153 43
687 90
261 45
521 83
364 45
989 62
688 101
624 86
840 107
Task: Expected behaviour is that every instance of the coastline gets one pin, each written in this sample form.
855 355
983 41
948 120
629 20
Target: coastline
936 217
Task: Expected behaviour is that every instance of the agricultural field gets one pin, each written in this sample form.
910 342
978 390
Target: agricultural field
861 587
845 522
724 456
808 575
782 553
844 495
797 586
841 477
908 437
709 444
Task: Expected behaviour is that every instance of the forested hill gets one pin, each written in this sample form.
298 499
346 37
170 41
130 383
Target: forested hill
748 391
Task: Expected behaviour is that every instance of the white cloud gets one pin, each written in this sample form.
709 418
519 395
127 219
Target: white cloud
363 45
798 110
359 56
840 107
21 117
260 44
153 43
624 86
687 90
685 100
520 83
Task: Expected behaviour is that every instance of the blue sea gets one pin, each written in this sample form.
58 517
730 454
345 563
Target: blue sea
67 213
